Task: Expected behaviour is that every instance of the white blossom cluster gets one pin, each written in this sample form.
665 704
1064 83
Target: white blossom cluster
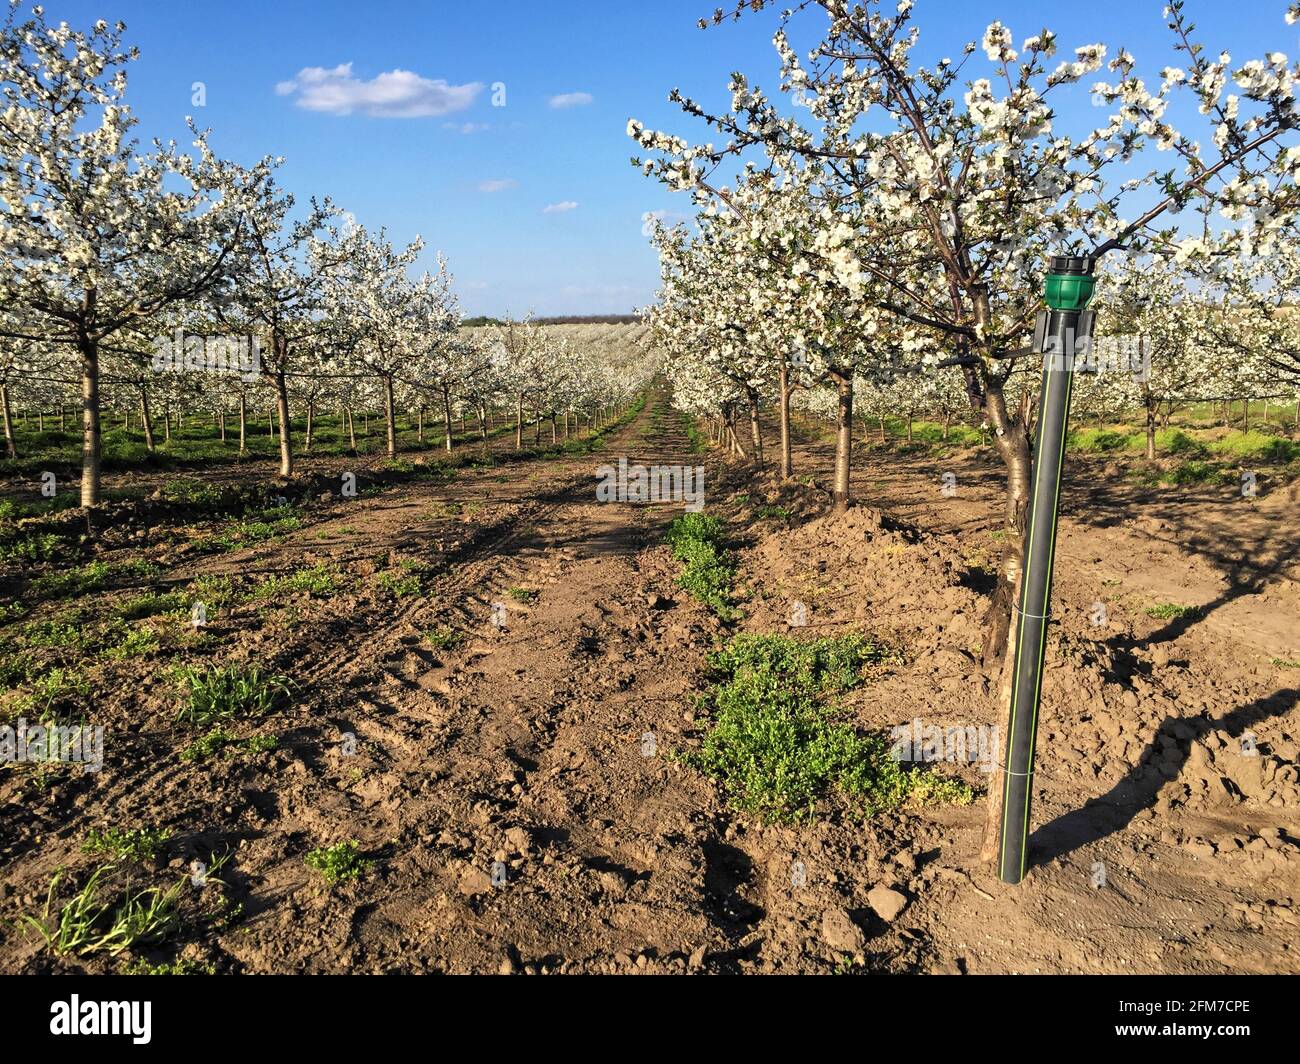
890 216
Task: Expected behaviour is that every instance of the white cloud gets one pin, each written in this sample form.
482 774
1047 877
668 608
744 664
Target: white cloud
394 94
498 184
668 218
571 99
563 207
466 127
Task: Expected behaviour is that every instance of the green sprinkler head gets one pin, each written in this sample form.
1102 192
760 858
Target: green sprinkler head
1070 282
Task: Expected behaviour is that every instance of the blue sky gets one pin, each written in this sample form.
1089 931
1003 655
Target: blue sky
476 181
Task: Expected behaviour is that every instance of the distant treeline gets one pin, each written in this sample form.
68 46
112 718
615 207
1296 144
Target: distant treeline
571 319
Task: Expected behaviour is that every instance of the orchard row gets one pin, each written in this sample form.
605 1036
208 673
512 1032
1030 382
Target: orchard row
140 280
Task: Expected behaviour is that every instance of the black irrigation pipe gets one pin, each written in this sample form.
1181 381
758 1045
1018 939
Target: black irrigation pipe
1070 285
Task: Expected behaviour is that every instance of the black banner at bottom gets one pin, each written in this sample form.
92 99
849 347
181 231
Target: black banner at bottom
147 1014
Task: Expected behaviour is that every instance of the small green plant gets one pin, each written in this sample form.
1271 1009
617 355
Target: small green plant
132 844
1104 440
55 690
1195 471
193 493
68 631
246 533
81 581
400 585
341 861
697 542
207 745
90 578
220 741
15 669
151 605
782 512
1175 441
34 547
88 923
1283 663
318 581
777 749
523 594
443 638
220 693
135 643
1167 611
213 591
180 966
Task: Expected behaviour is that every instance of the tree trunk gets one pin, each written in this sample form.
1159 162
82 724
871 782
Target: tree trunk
843 440
1011 438
519 423
352 431
146 421
1151 429
243 423
446 415
755 430
221 421
90 443
783 390
286 430
11 445
391 416
311 424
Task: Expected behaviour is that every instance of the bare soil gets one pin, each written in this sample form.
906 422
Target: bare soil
1167 754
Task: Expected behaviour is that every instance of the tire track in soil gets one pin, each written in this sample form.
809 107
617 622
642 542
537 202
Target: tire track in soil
524 747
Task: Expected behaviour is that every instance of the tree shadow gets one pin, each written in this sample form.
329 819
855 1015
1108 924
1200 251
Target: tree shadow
1247 561
1115 810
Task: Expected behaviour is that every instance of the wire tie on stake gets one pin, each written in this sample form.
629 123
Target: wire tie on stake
1031 616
